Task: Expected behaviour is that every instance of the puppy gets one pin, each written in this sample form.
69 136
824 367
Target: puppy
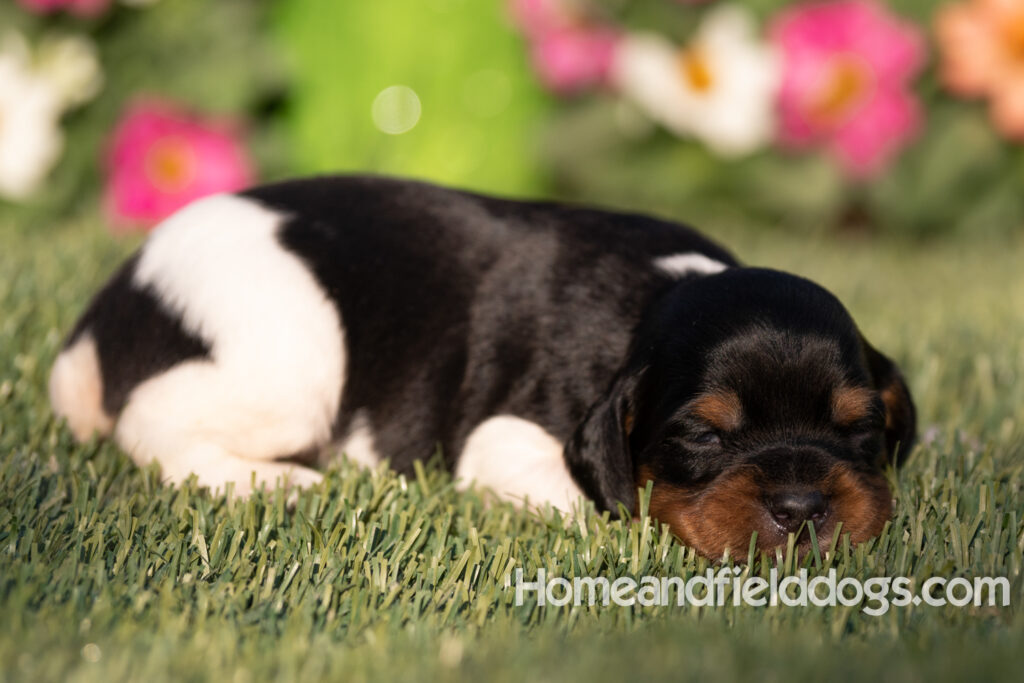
547 352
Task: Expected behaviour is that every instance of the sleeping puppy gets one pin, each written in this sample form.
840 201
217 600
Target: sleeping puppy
548 352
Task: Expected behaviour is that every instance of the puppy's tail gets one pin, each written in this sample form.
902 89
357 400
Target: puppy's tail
76 389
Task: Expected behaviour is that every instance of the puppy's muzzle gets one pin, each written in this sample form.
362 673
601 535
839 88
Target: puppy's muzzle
774 501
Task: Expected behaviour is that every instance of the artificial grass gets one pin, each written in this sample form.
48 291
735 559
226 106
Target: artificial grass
107 575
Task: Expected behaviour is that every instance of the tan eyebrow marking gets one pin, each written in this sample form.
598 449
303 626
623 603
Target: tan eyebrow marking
850 404
721 409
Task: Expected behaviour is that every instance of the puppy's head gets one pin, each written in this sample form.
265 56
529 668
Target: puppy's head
753 404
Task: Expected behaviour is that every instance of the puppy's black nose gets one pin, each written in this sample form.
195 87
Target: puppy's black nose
791 508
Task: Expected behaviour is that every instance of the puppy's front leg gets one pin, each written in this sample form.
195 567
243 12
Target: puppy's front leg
519 461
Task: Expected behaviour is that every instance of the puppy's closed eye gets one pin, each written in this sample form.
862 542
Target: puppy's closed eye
706 439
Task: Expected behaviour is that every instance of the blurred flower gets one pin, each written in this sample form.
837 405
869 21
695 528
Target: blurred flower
82 8
30 140
32 98
71 64
160 159
720 88
569 52
982 44
847 69
537 17
574 59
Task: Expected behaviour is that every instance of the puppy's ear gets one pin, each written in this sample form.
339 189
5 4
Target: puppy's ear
598 452
900 415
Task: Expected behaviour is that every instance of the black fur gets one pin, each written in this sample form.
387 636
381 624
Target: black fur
457 307
135 336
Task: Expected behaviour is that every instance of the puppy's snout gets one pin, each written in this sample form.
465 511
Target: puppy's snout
792 507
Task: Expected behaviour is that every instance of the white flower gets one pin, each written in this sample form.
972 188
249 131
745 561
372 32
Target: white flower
30 140
71 65
720 88
32 98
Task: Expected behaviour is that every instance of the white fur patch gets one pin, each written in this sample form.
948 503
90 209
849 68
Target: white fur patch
76 389
518 460
358 445
680 265
273 385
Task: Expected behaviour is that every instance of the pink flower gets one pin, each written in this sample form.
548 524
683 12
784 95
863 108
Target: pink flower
537 17
571 60
82 8
847 66
160 159
568 51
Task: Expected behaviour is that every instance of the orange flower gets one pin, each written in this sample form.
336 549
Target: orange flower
982 45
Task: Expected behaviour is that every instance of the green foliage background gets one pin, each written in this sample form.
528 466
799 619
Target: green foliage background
481 108
304 73
210 56
957 177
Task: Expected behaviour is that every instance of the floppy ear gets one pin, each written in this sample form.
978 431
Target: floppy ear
598 452
900 415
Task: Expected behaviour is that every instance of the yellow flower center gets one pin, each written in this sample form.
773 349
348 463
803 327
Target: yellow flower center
693 64
1013 37
170 164
845 88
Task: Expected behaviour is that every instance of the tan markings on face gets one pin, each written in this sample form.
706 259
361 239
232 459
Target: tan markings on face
895 400
719 517
861 501
851 404
720 409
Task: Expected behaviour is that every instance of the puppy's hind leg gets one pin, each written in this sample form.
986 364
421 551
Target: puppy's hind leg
272 383
199 419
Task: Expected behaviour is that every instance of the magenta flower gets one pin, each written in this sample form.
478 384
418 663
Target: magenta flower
537 17
160 159
82 8
847 67
571 60
568 51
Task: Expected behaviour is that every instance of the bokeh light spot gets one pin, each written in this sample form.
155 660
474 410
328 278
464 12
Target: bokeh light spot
91 653
396 110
